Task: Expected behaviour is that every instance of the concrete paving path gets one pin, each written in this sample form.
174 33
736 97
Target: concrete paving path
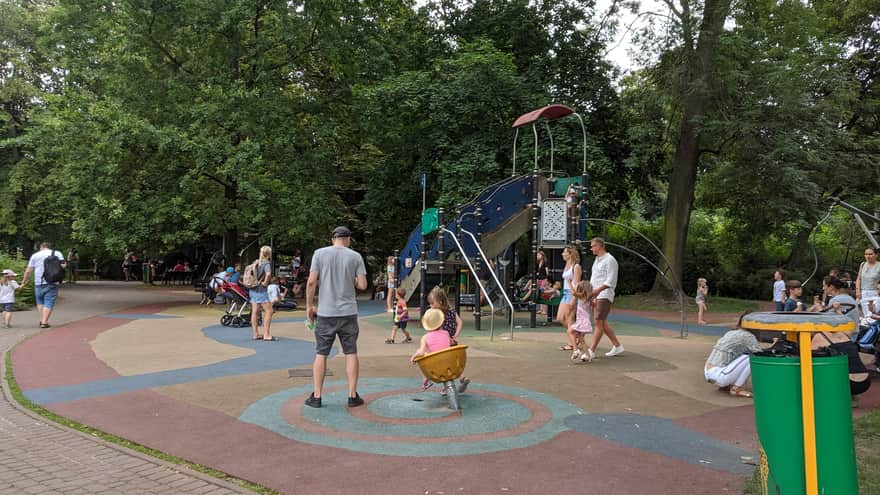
42 457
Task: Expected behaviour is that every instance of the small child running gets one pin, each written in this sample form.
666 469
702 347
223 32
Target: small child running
582 325
401 317
452 323
8 286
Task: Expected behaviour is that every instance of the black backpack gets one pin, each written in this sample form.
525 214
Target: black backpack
53 272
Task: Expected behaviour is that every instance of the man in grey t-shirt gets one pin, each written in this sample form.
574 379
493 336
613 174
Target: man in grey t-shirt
337 272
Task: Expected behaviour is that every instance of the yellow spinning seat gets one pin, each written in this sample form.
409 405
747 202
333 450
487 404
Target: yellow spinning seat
445 366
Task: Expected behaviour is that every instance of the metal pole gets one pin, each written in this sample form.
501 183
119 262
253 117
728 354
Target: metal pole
533 302
442 238
423 269
515 137
457 282
478 266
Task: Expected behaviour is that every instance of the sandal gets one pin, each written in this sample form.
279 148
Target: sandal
389 341
407 340
739 392
566 347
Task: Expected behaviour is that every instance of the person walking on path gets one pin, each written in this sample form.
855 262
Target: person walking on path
571 277
779 290
603 278
73 265
866 282
390 284
337 272
259 296
45 292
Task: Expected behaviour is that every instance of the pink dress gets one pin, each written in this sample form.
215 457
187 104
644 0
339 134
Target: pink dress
582 322
437 340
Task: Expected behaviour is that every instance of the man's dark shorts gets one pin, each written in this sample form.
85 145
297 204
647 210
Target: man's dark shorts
401 324
328 327
603 307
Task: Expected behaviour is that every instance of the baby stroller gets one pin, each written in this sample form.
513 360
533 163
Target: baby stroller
237 301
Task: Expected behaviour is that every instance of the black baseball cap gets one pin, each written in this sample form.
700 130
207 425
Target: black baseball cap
341 232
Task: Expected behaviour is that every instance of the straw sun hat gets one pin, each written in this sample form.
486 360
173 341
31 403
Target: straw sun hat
432 319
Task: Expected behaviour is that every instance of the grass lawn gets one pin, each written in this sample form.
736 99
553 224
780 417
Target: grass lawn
644 302
867 435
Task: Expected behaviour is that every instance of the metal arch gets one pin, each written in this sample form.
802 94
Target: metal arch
813 244
684 330
659 251
678 290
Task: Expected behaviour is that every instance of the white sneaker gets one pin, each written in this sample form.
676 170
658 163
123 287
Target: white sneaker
587 357
615 350
575 355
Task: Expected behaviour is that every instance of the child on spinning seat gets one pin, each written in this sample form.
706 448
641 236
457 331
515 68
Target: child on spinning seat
452 323
435 338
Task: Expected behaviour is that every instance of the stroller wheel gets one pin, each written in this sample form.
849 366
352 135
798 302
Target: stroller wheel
236 321
226 320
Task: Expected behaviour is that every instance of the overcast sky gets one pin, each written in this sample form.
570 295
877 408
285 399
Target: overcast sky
620 48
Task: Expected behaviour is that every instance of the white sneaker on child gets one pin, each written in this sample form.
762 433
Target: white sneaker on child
587 357
615 350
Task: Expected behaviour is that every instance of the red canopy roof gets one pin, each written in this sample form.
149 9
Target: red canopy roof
550 112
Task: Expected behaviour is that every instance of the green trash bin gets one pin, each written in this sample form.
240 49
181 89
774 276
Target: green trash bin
779 417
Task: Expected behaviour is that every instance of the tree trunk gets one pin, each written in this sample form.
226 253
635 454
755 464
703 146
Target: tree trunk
682 180
230 237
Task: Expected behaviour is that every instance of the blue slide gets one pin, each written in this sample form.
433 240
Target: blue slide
501 202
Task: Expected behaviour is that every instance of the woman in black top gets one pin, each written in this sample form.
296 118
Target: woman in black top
542 272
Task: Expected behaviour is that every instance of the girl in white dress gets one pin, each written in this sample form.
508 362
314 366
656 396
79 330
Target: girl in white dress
582 325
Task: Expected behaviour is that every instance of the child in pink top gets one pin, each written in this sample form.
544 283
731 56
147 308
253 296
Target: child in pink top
435 338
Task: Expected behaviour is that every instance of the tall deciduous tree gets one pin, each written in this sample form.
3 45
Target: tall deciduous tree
698 52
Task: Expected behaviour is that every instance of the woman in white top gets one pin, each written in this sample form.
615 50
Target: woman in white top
866 283
390 283
571 277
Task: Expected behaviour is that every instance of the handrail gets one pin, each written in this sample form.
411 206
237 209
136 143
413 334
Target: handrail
495 277
480 284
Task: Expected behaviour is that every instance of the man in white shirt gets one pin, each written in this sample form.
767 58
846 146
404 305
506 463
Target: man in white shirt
45 292
603 278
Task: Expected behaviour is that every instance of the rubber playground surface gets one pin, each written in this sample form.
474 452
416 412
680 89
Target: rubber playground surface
168 376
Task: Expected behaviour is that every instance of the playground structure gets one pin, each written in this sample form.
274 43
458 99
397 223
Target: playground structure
444 367
550 209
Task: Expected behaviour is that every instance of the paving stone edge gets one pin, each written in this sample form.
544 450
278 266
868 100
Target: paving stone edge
7 395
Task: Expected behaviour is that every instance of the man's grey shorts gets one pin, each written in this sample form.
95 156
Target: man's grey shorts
328 327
